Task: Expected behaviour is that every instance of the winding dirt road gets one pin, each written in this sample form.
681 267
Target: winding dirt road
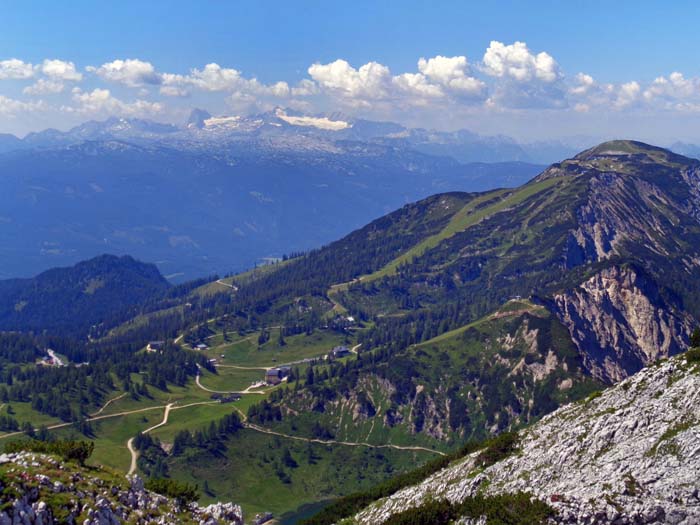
90 419
234 288
134 456
345 443
130 444
109 402
170 406
246 391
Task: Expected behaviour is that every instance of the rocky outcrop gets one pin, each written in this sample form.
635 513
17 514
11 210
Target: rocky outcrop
620 210
630 455
619 322
37 489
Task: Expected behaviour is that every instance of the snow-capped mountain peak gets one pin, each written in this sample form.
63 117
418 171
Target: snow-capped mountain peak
324 123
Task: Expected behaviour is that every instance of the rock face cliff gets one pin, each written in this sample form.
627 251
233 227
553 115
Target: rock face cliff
637 210
628 456
38 489
619 322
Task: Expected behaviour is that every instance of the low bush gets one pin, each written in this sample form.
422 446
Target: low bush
184 493
693 355
506 509
498 448
78 451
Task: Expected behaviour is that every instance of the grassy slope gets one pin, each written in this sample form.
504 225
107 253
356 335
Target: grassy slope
470 214
513 307
247 352
247 471
251 482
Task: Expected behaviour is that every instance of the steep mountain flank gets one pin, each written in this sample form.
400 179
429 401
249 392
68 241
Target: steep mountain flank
484 312
629 455
502 371
607 240
618 319
642 207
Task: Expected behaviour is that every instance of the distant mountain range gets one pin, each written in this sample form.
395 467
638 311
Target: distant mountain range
221 194
287 130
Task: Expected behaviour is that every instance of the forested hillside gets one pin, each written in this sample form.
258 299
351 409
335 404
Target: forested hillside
73 299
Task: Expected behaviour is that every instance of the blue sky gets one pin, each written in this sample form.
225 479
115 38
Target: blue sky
621 48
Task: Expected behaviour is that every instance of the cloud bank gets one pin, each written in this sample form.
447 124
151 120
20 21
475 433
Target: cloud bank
509 78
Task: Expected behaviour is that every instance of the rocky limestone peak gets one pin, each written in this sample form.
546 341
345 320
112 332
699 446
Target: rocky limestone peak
623 157
620 323
197 118
628 455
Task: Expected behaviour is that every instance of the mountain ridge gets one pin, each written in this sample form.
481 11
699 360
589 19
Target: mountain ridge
600 254
202 129
197 212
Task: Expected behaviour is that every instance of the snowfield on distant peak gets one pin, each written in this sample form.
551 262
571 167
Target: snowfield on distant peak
316 122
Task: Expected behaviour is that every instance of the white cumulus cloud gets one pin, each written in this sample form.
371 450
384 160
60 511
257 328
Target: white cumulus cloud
130 72
452 73
61 70
101 102
370 81
584 84
521 79
418 85
215 78
174 91
12 107
627 94
517 62
15 69
438 78
305 88
676 86
44 86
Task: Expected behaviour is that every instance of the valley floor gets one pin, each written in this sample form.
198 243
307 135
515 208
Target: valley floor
241 365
